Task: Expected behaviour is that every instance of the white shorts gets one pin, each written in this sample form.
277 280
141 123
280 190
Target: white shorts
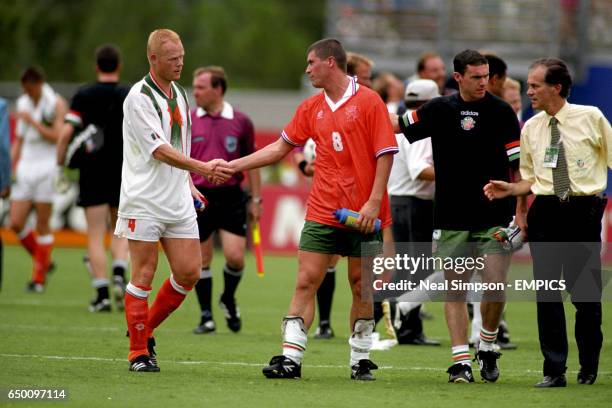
152 231
34 183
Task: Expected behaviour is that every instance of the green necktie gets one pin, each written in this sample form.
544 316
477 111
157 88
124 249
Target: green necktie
561 181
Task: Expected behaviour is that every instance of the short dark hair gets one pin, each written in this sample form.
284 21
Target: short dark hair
497 66
426 56
108 58
557 73
330 47
468 57
218 78
33 74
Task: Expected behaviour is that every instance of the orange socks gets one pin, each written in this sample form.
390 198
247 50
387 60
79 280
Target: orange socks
42 258
136 314
168 299
141 320
28 240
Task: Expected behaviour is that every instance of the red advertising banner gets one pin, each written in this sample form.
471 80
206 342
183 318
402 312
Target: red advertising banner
283 217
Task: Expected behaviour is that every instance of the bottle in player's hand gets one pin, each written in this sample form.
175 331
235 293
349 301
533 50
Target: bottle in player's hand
349 218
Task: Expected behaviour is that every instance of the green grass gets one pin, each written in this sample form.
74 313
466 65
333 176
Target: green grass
51 340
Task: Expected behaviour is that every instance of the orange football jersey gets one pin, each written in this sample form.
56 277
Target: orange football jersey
350 135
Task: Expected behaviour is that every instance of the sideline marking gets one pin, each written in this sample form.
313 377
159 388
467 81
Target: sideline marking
245 364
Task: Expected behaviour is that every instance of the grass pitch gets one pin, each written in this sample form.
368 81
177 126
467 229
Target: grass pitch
52 341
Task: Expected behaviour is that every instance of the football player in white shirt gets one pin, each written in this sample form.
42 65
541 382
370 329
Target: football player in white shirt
157 194
40 113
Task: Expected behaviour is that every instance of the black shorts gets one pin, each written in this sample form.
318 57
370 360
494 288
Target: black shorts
99 185
226 210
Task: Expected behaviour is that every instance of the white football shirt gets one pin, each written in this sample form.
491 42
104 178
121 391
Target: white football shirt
35 150
151 189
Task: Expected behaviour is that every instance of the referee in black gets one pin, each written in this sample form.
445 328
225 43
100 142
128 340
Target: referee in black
565 152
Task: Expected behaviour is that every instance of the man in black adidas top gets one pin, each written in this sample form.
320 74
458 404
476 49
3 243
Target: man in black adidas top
101 104
475 138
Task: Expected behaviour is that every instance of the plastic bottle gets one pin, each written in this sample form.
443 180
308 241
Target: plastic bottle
349 218
199 205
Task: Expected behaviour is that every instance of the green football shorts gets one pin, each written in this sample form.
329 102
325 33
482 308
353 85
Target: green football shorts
450 243
325 239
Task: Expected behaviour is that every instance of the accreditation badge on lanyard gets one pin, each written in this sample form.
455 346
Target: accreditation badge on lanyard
551 156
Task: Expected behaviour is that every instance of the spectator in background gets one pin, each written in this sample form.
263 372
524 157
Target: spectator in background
360 66
390 89
39 118
512 94
101 104
5 163
431 66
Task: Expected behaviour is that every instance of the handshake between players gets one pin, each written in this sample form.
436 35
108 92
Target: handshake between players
217 171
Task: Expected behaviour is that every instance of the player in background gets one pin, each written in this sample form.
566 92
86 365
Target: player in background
221 131
497 75
497 79
40 113
411 191
100 104
157 195
355 143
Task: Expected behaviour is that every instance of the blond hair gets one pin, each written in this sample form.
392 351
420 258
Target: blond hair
511 83
158 37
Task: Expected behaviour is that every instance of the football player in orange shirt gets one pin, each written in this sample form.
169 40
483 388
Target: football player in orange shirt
355 147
